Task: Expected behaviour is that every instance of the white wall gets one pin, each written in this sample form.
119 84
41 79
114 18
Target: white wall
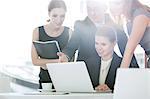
18 18
17 21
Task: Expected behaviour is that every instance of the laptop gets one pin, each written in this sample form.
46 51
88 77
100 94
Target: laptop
70 77
132 83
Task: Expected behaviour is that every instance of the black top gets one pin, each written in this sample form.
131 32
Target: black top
62 41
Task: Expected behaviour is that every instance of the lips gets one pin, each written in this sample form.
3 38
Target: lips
100 53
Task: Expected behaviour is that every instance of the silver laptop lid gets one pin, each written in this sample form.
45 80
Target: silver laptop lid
70 77
132 83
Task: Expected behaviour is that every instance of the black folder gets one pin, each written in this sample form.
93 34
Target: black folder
47 49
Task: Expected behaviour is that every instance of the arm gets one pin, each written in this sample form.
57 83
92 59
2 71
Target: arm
73 43
122 41
139 25
36 60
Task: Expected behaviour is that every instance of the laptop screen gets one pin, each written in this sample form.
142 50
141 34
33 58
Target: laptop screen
132 83
70 77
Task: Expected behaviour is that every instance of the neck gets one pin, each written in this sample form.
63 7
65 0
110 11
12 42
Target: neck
108 57
53 28
100 21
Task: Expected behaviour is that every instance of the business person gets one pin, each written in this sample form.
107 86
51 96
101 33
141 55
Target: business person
51 31
138 18
102 67
83 38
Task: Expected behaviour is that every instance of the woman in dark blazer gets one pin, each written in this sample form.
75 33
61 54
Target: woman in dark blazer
102 67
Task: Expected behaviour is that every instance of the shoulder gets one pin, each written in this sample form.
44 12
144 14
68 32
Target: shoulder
78 23
37 28
142 12
116 57
67 28
36 33
82 23
116 61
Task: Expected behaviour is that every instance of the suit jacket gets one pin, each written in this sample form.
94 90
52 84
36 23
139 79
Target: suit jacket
94 64
83 39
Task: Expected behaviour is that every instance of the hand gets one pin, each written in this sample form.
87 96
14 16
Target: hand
44 67
103 87
62 57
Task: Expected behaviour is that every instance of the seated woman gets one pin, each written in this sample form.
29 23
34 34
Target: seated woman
102 68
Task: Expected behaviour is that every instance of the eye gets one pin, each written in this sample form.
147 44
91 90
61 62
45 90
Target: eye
62 16
54 15
103 44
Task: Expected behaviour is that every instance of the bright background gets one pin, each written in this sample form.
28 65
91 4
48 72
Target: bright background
18 18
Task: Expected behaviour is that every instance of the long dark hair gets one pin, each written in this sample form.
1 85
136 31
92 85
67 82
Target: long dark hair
132 6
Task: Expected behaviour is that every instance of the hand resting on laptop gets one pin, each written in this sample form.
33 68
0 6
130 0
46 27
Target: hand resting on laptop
103 87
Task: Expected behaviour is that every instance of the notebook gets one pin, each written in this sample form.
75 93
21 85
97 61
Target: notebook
70 77
47 49
132 83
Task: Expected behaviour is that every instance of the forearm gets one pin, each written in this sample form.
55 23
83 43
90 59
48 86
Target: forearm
127 57
72 46
126 61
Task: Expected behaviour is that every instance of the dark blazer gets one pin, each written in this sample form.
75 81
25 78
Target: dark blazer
94 65
83 39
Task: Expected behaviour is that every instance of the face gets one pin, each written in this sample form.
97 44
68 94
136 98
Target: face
116 7
104 47
95 10
57 16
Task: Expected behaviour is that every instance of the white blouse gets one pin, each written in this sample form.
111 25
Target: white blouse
105 65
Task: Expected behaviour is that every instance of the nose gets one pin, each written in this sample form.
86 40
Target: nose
58 20
100 47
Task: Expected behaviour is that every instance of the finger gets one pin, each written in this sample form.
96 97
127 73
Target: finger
58 53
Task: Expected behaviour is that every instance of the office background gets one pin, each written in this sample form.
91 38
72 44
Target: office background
17 21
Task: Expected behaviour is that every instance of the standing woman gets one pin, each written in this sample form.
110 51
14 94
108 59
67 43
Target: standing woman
51 31
138 18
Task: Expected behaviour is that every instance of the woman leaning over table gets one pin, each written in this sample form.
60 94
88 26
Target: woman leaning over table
138 18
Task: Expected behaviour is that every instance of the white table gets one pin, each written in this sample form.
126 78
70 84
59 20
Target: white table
66 96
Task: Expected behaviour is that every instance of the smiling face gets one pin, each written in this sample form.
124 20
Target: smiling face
104 47
57 16
95 10
116 7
